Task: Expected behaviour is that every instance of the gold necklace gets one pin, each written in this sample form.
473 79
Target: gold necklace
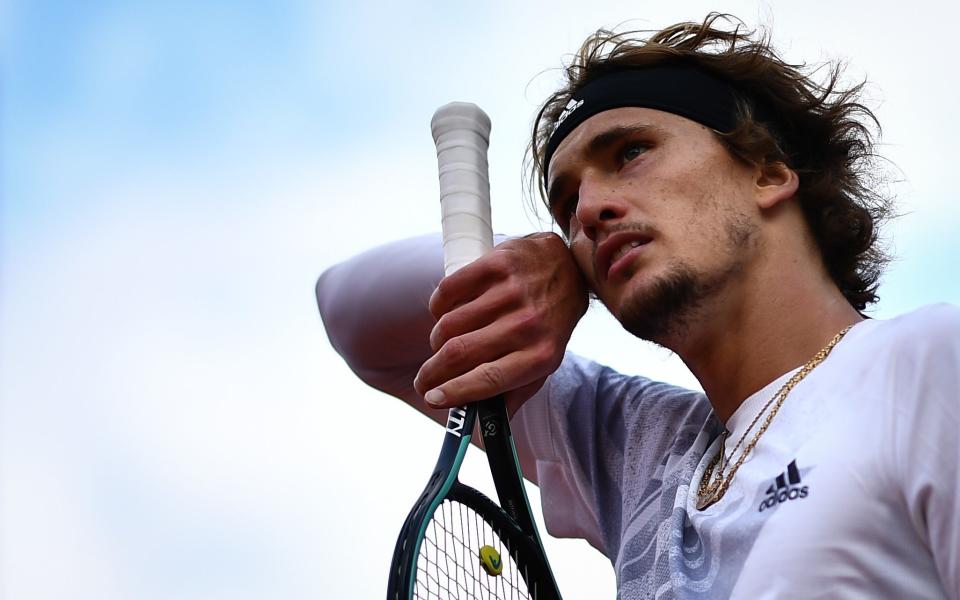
709 491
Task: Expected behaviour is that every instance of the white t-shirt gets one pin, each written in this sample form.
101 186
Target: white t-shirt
852 492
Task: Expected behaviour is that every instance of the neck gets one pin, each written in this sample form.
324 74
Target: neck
741 346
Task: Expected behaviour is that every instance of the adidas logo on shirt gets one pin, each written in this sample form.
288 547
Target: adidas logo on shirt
784 488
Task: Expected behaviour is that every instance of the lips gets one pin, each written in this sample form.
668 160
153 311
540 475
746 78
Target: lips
613 253
618 254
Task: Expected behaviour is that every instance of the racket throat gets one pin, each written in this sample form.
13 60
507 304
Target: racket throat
504 466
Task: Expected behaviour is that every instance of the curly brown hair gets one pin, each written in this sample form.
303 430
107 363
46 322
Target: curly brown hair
820 130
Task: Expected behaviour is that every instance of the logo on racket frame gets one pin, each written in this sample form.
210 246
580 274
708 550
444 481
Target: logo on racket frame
455 421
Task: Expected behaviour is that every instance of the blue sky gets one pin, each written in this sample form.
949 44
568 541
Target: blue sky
175 176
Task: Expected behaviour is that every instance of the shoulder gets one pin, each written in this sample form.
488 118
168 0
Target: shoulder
934 320
915 357
582 390
581 376
923 379
905 365
935 327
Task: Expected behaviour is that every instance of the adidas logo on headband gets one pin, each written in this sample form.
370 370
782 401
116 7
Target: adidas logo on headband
681 89
571 106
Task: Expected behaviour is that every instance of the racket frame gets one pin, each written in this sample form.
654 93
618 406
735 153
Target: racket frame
461 132
512 520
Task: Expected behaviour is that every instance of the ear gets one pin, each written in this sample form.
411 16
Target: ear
775 183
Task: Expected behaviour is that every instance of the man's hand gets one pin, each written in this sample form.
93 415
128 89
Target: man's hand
503 323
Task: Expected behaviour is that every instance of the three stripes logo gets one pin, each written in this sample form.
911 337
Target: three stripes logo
571 106
785 487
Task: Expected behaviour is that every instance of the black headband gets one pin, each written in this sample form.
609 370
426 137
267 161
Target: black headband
679 89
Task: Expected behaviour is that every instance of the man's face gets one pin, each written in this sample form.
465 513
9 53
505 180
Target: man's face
660 216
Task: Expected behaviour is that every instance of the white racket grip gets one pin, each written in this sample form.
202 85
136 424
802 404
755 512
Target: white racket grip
461 132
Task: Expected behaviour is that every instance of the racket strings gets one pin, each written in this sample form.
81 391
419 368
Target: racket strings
449 565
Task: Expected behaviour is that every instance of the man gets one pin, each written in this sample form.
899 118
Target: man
712 197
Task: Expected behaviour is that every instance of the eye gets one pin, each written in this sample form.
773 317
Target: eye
632 150
564 210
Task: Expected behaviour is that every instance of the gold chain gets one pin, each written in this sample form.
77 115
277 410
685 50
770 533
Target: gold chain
709 491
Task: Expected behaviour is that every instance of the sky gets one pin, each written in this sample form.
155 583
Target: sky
175 176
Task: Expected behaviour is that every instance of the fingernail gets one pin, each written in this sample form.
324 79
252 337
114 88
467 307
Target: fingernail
434 397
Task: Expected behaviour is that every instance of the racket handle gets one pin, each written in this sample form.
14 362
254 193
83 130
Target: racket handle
461 132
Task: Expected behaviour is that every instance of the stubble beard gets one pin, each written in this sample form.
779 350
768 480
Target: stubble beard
666 309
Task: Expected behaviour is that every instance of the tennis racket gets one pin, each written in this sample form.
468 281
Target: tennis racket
456 543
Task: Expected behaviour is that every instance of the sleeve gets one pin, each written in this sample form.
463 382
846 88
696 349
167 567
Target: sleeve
927 439
590 432
374 308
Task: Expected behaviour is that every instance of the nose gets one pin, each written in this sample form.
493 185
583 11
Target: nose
598 205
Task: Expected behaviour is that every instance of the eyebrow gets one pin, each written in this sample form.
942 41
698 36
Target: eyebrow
596 146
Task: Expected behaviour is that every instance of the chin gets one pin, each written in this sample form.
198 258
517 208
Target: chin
663 306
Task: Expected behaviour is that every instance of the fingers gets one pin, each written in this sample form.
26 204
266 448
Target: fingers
463 353
464 286
539 254
494 303
518 370
502 322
